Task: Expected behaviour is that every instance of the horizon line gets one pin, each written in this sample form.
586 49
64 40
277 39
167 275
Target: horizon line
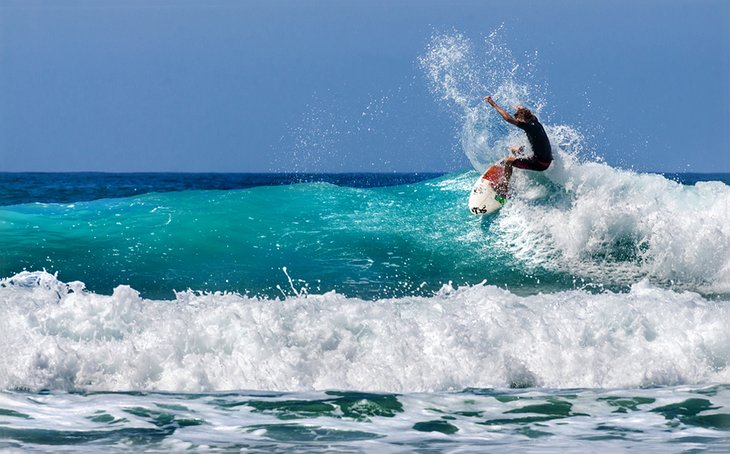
214 172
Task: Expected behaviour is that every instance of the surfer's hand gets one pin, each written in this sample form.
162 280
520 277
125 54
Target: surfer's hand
489 100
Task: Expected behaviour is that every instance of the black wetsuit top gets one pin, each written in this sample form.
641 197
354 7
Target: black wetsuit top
538 139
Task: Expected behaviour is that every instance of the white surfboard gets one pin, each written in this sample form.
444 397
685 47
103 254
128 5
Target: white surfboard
483 198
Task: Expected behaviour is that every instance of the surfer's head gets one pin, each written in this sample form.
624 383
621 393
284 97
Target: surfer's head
522 113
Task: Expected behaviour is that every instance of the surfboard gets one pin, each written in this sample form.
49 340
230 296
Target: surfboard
484 199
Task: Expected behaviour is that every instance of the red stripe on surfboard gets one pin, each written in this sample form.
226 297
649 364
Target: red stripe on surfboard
494 173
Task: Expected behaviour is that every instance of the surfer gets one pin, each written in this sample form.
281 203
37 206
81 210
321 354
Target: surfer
542 155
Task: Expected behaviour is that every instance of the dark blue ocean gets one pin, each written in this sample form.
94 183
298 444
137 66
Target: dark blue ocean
44 187
19 188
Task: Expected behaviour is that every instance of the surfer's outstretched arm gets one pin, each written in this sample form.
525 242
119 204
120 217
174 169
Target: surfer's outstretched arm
507 117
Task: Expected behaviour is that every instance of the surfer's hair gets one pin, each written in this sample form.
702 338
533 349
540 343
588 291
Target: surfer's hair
524 114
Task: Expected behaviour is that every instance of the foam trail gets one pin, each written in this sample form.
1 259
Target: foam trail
609 225
59 336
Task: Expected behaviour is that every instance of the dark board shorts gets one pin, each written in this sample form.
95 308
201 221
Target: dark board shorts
531 164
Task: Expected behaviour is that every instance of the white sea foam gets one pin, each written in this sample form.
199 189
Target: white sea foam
577 421
58 336
592 220
536 421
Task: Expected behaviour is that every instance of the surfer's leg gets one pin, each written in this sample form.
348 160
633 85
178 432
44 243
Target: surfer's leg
530 164
508 165
503 185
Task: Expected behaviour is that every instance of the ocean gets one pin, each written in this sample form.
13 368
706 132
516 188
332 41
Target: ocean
372 312
365 312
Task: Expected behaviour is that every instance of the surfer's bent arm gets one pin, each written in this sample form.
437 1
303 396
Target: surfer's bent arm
507 117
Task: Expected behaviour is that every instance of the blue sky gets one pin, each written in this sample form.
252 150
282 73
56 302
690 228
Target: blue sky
331 85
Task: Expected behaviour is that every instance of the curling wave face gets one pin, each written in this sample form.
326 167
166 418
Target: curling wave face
60 336
577 224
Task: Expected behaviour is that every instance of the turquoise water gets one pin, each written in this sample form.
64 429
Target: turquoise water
373 242
363 242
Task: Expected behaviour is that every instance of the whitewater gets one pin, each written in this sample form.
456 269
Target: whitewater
591 312
478 336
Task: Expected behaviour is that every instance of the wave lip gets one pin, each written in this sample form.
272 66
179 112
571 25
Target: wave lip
59 336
